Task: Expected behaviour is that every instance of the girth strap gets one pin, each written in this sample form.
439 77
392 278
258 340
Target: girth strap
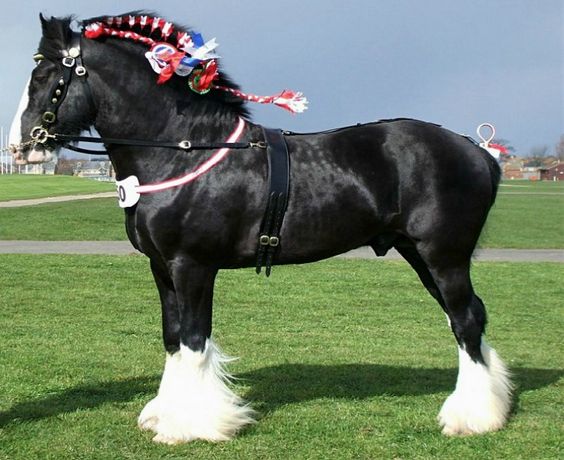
279 180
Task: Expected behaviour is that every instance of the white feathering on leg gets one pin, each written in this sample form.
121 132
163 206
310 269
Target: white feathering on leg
481 400
194 401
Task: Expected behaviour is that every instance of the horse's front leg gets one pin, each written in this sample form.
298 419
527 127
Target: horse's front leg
193 401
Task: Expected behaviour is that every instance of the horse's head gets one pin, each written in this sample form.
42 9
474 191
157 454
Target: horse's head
113 62
56 98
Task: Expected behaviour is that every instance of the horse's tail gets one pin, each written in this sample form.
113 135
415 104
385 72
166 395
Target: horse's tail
495 174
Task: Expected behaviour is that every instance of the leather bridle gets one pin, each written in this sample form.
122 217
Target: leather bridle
72 64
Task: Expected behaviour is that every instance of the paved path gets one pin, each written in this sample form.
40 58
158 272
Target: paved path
60 199
124 247
55 199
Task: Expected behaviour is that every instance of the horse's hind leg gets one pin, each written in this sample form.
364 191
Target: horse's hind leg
408 251
482 397
194 401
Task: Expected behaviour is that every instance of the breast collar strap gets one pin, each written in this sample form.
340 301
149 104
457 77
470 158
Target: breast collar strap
129 190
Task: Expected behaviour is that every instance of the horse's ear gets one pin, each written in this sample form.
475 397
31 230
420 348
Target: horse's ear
43 21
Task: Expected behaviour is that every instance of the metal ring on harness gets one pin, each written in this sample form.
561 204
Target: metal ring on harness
49 117
39 135
185 145
69 61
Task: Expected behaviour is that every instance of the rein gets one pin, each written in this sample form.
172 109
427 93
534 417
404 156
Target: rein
187 145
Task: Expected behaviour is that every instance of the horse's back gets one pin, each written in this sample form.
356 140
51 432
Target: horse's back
351 184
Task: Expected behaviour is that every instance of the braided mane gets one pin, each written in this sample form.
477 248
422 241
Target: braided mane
149 28
171 49
142 26
175 49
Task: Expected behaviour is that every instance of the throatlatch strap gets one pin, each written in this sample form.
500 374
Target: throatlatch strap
279 179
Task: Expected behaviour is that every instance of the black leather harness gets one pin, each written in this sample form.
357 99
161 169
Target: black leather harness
279 180
277 153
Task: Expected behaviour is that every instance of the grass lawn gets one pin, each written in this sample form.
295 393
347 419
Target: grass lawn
342 359
21 187
98 219
527 186
533 221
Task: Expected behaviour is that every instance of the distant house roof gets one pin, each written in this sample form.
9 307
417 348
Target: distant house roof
554 166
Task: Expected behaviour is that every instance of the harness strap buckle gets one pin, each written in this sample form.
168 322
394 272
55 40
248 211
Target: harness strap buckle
80 70
69 61
264 240
185 145
258 145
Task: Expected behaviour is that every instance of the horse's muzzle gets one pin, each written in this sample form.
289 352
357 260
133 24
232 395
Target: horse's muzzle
38 154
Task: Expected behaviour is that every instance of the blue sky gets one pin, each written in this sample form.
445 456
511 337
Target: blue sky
453 62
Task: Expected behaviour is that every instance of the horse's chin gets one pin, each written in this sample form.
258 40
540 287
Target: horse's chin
38 154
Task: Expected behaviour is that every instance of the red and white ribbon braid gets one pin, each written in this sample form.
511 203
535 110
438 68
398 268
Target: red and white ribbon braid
294 102
97 29
112 26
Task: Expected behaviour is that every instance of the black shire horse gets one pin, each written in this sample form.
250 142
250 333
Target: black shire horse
400 183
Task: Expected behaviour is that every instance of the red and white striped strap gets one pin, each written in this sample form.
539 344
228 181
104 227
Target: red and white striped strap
129 190
292 101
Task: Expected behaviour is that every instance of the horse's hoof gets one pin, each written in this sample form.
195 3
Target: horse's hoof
148 424
149 418
170 440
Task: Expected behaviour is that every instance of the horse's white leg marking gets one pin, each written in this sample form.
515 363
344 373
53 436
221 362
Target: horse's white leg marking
194 401
482 398
15 136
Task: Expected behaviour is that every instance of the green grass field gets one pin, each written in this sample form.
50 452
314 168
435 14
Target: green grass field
527 186
98 219
21 187
341 359
526 215
533 221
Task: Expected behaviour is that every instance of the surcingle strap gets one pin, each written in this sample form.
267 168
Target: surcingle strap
279 179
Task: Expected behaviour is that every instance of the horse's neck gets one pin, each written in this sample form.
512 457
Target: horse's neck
154 164
130 103
132 106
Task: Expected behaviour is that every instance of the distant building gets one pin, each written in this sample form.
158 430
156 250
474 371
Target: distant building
513 169
554 173
530 173
98 170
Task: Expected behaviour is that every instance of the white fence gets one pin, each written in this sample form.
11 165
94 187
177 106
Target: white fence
6 160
